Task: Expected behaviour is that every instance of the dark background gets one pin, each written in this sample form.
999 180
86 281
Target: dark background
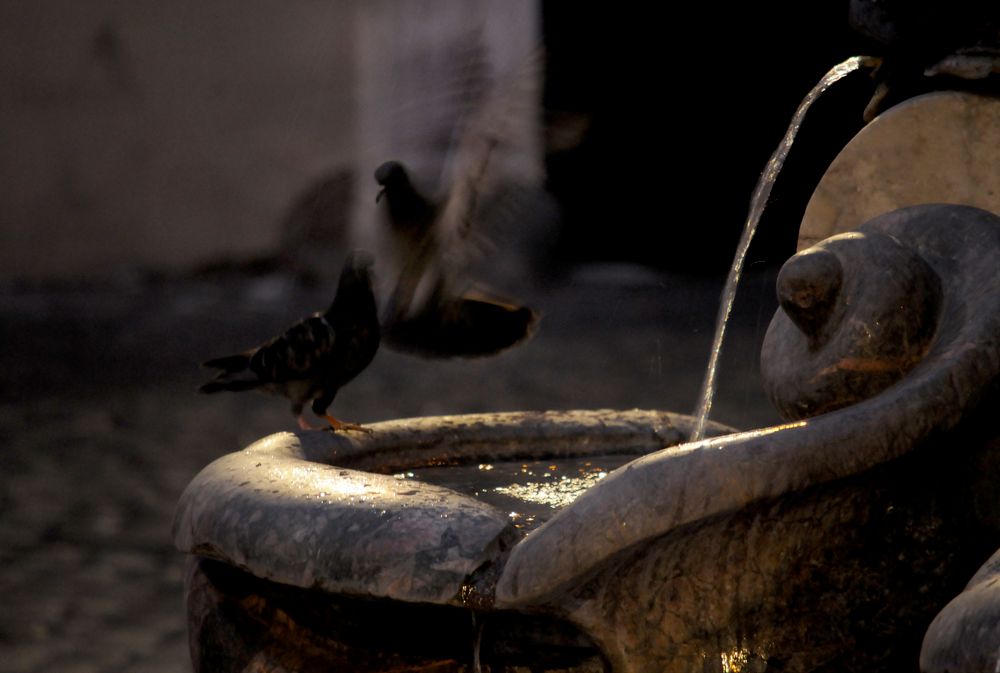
687 105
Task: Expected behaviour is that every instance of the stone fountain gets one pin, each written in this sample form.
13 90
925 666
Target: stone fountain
829 543
825 544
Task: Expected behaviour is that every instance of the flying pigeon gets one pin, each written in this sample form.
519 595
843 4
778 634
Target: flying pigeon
314 358
435 307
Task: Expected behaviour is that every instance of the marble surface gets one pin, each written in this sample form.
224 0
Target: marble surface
308 524
297 508
937 148
964 635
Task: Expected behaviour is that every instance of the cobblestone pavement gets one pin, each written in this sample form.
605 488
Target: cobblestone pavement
101 428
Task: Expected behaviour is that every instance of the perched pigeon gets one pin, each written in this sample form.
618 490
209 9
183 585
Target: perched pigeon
313 358
433 310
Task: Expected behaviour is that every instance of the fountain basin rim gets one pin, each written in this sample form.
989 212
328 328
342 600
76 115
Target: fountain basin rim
305 509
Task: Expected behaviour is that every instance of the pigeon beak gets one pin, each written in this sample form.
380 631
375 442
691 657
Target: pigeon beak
381 193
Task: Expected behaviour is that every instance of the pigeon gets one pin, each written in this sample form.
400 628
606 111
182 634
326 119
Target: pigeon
465 182
314 358
433 309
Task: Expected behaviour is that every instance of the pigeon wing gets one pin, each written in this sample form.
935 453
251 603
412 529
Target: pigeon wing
301 352
488 133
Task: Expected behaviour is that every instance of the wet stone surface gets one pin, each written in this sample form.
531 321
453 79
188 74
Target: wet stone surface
101 429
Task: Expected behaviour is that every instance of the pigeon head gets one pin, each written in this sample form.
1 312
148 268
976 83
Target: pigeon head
391 176
407 209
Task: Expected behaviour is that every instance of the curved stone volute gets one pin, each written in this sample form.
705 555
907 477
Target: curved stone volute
842 337
682 485
809 286
964 635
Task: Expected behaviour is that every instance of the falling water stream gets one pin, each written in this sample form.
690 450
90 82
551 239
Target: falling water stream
757 202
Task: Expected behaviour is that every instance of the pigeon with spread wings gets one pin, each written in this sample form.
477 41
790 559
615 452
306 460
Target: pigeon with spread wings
434 308
314 358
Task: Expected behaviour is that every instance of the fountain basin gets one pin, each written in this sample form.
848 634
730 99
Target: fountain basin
336 511
352 520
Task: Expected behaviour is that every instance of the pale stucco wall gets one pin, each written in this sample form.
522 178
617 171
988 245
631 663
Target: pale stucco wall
162 134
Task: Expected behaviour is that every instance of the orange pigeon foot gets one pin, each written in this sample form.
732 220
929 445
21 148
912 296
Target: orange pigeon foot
336 425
